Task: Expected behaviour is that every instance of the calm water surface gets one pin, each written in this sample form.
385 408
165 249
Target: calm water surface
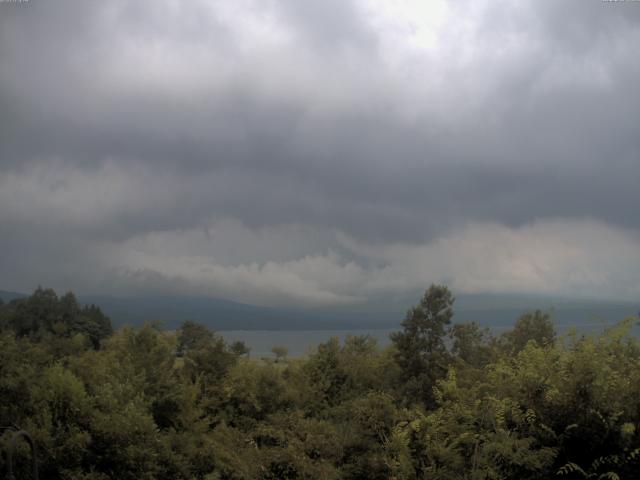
297 342
302 342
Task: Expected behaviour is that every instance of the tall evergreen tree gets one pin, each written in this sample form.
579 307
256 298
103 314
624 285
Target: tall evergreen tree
420 349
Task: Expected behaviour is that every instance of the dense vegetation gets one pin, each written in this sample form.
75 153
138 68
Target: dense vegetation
445 401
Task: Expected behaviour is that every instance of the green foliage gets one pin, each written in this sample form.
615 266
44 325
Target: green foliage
533 326
192 336
239 348
420 347
44 316
252 392
141 403
207 357
472 344
337 372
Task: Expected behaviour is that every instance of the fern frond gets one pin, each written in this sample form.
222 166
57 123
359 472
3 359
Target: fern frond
572 468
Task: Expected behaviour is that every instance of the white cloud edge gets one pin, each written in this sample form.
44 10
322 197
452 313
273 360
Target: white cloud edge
584 258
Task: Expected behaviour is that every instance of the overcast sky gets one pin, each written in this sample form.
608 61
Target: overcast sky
320 152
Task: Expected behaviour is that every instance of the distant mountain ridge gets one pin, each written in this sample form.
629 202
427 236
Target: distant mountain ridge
8 296
498 311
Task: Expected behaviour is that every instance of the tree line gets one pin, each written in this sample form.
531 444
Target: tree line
443 401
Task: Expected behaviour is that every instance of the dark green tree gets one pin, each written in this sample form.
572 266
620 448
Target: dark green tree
536 326
239 348
421 352
192 335
471 344
36 314
94 324
207 357
45 315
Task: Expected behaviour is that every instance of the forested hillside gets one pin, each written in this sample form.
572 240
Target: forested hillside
444 401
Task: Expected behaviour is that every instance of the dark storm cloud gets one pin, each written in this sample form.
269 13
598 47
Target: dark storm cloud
121 119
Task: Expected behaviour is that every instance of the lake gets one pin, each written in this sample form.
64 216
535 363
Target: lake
297 342
302 342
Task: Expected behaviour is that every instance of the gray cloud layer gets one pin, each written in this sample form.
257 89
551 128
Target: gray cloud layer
320 152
